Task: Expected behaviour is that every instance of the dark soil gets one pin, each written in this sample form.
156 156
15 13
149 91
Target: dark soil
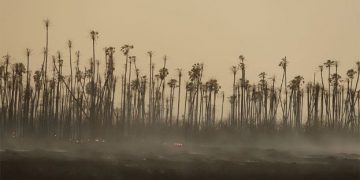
166 161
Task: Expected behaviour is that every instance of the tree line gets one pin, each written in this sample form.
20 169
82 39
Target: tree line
80 105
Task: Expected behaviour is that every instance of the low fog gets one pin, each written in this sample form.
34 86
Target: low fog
289 147
177 155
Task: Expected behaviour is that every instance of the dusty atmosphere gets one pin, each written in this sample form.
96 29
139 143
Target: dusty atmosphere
182 89
286 156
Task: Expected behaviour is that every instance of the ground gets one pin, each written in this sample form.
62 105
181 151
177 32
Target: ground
179 160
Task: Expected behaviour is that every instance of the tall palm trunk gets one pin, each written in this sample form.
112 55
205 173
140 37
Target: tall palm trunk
286 96
214 109
44 115
124 91
150 89
242 95
222 107
328 98
27 92
232 119
93 124
179 97
185 102
71 83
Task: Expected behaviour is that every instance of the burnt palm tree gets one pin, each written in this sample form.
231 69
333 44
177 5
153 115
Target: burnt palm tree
27 91
5 99
47 24
222 107
132 59
242 85
213 88
179 71
163 73
234 70
125 49
351 117
190 90
172 84
195 76
16 99
93 124
150 53
45 93
322 95
263 98
69 43
329 63
283 64
295 101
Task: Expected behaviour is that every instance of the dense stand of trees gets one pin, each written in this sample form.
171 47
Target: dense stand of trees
335 106
80 105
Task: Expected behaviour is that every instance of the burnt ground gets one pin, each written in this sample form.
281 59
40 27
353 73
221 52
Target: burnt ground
165 160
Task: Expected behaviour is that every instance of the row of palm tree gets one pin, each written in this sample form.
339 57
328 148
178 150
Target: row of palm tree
335 106
81 105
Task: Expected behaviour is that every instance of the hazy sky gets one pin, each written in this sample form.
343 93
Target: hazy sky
214 32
